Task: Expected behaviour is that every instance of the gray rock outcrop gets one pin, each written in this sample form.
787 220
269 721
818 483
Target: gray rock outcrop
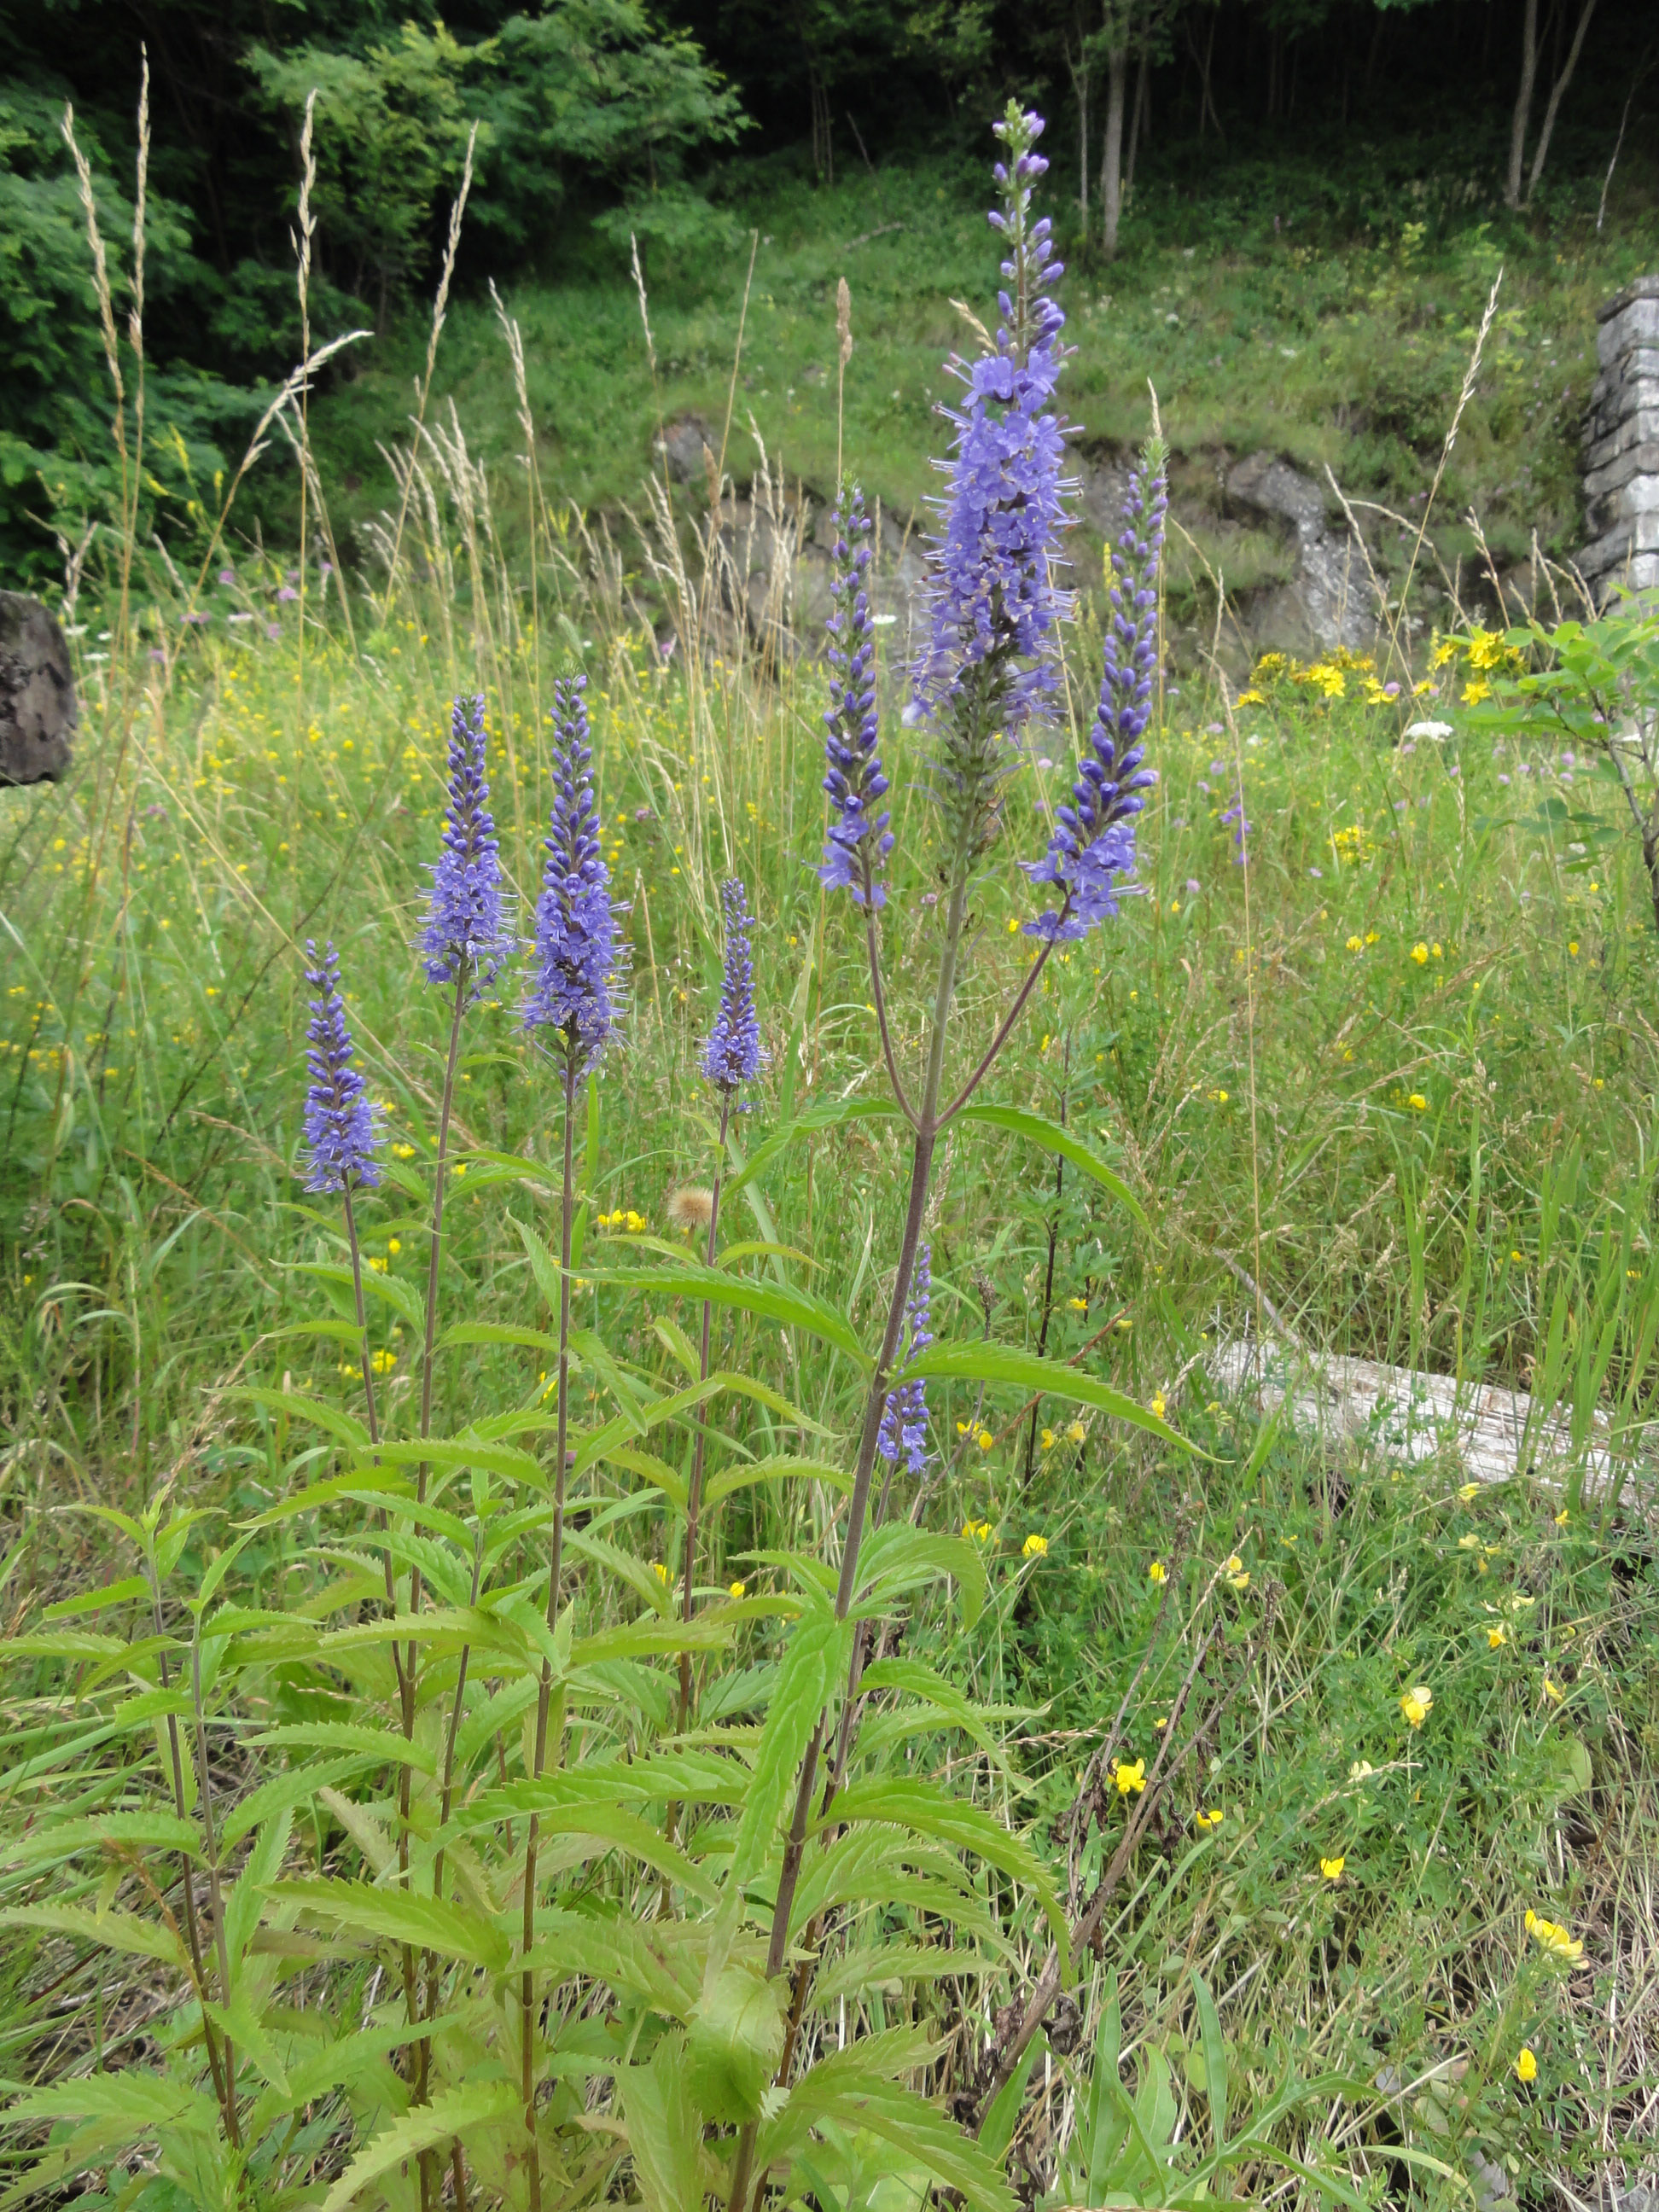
1329 603
37 712
1621 447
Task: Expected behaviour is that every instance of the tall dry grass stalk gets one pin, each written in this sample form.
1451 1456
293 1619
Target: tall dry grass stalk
440 312
1397 652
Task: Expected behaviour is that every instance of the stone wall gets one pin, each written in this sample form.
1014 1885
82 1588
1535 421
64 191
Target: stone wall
1621 447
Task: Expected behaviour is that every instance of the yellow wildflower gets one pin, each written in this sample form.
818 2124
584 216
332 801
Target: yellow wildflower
1554 1938
1418 1103
1361 1770
1420 953
735 1590
1332 1869
1497 1638
1157 1407
1157 1573
985 1440
660 1571
394 1245
1075 1432
1526 2064
1211 1819
1035 1546
1468 1490
384 1362
1047 1439
1130 1777
1553 1691
1561 1518
1356 944
1416 1704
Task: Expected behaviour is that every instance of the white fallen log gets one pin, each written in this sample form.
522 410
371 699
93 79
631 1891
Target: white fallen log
1405 1414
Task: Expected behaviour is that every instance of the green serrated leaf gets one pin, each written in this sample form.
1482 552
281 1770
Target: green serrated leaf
457 2113
1037 1129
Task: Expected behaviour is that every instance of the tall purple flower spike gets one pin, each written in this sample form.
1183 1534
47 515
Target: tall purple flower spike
993 605
858 840
575 925
904 1417
733 1055
340 1133
463 921
1094 841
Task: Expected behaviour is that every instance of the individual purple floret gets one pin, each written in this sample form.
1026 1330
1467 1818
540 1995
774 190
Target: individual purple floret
340 1133
575 926
994 607
859 840
1094 839
464 924
1235 819
732 1055
905 1418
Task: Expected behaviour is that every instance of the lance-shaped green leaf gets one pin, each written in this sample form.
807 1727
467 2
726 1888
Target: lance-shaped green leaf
854 2087
589 1830
899 1558
770 1301
129 1933
457 1453
396 1915
1047 1378
1037 1129
830 1115
349 1736
665 2128
98 1832
814 1660
956 1708
345 1428
134 2098
927 1809
619 1952
743 1474
456 2112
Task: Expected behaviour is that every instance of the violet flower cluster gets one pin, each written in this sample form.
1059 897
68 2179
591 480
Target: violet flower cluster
572 992
1094 839
904 1417
993 603
465 928
733 1055
858 840
340 1133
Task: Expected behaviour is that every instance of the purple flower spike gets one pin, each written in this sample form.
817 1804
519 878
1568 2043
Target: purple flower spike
1094 839
905 1418
576 925
340 1133
992 602
463 924
857 840
732 1055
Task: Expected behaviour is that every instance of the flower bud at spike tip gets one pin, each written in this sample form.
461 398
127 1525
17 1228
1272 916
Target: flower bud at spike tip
464 924
732 1055
340 1133
575 925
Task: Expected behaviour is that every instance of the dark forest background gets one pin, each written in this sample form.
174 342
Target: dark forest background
596 118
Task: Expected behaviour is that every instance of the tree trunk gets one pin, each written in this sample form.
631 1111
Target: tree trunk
1111 159
1139 121
1522 105
1208 110
1558 93
1079 68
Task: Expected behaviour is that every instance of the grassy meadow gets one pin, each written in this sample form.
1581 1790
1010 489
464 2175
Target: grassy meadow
1370 1055
1386 1077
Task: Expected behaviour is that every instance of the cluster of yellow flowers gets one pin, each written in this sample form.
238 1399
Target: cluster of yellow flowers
1558 1941
1074 1433
1129 1776
624 1218
982 1437
979 1531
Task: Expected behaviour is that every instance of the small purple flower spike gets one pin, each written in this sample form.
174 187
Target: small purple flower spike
733 1055
576 924
1094 839
904 1417
859 840
340 1133
464 924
